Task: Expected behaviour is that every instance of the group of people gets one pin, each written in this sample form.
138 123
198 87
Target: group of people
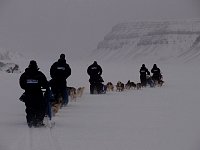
96 85
146 78
39 92
35 83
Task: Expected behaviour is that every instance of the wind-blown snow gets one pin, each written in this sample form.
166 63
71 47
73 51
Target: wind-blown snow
161 118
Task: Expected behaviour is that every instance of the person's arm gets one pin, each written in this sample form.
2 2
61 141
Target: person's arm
140 70
100 70
44 82
148 73
152 71
52 70
68 71
22 81
88 71
159 71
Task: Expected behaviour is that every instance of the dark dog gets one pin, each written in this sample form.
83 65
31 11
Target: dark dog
130 85
159 83
138 86
120 86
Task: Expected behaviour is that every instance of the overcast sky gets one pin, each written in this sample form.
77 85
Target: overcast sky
48 27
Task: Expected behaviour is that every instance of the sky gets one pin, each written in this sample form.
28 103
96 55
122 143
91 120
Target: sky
45 28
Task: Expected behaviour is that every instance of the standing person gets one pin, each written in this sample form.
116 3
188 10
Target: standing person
143 75
156 73
95 72
32 81
59 73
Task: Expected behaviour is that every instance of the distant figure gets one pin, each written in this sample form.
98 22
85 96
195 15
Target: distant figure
32 81
156 73
59 73
95 72
143 75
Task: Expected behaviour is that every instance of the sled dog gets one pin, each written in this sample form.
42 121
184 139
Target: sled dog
71 93
110 86
159 83
120 86
138 86
130 85
55 106
79 91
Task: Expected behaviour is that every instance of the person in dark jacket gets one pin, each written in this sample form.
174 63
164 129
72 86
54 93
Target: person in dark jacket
156 73
143 74
32 81
95 72
59 73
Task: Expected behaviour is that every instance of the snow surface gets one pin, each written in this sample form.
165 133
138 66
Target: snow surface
161 118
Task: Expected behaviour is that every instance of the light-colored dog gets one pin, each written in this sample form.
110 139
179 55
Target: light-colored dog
72 93
55 106
79 91
109 87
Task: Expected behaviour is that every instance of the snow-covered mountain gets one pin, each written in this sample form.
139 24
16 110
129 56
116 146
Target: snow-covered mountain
9 61
151 41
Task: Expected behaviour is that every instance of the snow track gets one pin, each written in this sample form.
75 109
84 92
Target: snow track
161 118
36 139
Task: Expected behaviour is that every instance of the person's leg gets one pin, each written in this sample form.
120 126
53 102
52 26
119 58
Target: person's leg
101 88
104 88
91 88
143 81
30 116
40 114
65 97
40 110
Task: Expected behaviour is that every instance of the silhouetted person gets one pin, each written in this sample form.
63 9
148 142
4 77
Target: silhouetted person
156 73
143 74
32 81
95 72
59 73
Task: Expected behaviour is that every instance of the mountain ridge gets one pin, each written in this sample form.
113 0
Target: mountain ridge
9 61
164 41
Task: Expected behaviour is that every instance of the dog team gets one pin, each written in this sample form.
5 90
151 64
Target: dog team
73 94
97 87
57 94
119 87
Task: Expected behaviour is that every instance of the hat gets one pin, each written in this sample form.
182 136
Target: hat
62 56
33 64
